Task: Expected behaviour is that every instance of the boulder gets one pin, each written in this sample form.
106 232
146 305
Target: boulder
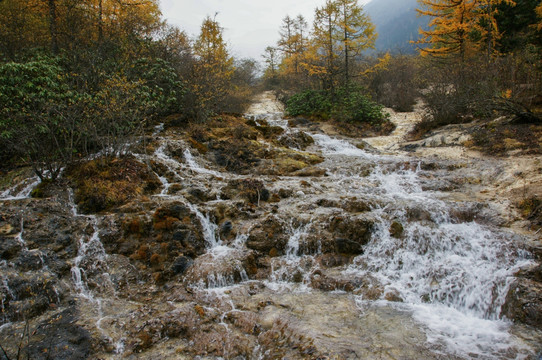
350 234
524 302
181 264
267 235
297 140
396 229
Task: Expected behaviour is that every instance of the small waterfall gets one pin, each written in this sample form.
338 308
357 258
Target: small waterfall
293 267
332 146
16 193
209 228
454 277
192 164
91 256
91 262
19 236
158 129
9 296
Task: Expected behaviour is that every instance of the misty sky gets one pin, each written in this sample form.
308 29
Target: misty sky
249 25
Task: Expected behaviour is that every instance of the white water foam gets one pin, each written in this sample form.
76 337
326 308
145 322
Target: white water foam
192 164
14 194
333 146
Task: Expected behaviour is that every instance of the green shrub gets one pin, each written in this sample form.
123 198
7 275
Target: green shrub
353 106
348 103
314 103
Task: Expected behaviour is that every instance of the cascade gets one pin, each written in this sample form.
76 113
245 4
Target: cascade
293 267
433 290
452 276
20 191
91 261
192 164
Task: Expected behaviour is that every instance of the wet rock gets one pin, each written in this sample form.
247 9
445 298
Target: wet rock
181 264
196 194
218 270
285 193
298 140
268 234
328 203
30 260
346 246
324 282
7 229
396 229
59 337
299 121
356 206
149 325
333 260
9 247
393 296
250 189
311 171
418 214
26 295
350 234
524 302
226 228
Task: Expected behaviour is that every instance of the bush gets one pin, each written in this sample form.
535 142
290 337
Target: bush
348 103
315 103
40 115
164 85
353 106
397 84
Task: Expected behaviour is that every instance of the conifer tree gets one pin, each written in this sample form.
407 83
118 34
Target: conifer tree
355 31
213 69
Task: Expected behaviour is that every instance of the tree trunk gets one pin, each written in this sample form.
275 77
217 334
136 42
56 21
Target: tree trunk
53 26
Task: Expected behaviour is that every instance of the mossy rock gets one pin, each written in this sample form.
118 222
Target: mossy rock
104 183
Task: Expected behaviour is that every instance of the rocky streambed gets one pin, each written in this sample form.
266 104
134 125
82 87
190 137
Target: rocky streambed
265 238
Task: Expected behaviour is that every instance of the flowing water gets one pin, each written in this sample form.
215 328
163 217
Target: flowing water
440 284
433 290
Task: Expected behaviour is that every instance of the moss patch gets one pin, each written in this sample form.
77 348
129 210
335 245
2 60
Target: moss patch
108 182
531 209
499 139
241 146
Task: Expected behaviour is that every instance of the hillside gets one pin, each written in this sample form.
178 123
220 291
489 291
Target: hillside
396 23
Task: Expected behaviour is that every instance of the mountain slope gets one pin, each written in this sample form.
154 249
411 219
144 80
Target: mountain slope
397 23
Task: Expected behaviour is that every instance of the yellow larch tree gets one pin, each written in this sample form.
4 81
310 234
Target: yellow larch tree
213 69
355 31
460 27
450 29
323 50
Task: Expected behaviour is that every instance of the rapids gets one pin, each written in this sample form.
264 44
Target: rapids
426 277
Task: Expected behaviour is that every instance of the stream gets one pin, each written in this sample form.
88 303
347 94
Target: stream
426 277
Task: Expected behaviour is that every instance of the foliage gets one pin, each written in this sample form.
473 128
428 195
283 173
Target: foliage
397 83
314 103
498 138
164 84
348 104
212 71
353 105
38 116
326 56
355 31
49 121
461 28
